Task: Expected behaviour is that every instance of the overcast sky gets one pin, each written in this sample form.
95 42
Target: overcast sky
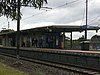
63 12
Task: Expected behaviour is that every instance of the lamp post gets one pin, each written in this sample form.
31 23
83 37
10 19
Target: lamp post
18 29
86 19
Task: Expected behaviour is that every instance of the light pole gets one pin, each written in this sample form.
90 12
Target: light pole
18 28
86 19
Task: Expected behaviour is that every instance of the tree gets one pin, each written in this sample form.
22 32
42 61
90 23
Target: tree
7 30
9 8
81 38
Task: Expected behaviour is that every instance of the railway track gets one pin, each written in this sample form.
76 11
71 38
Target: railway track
73 68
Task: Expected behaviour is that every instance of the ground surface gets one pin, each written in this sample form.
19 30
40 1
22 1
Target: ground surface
33 68
6 70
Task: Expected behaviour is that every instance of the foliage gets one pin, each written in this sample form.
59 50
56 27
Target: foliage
81 38
8 8
7 30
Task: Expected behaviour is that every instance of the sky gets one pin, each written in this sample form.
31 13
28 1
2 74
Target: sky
59 12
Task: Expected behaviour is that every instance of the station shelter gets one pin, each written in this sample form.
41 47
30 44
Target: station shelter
42 37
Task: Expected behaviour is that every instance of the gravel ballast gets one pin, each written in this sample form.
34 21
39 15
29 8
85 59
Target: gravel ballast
33 68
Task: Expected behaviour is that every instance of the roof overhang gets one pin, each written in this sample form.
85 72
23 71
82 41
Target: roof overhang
55 28
62 28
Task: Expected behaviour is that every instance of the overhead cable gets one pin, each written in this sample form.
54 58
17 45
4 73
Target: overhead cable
83 16
52 9
91 22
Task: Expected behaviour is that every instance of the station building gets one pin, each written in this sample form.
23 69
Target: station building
42 37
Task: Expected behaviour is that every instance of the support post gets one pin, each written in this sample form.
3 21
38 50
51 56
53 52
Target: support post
63 39
71 40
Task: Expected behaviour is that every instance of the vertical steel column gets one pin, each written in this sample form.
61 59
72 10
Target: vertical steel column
6 40
18 29
71 40
86 19
63 39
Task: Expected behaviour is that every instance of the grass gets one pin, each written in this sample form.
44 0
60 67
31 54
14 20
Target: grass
5 70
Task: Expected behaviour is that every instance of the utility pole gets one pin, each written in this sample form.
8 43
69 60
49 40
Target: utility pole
86 19
18 29
18 25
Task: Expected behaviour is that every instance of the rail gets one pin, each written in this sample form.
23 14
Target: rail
58 59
